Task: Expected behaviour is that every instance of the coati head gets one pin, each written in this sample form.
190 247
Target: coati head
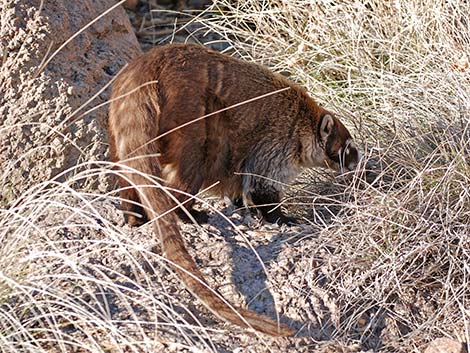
340 152
333 146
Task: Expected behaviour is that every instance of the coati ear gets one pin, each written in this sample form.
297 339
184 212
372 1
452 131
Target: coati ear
326 126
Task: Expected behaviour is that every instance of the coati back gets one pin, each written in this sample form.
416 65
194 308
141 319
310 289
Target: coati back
248 150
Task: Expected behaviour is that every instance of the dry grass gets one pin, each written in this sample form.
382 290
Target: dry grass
392 255
73 280
398 73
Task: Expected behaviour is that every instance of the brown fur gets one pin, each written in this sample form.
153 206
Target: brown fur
249 150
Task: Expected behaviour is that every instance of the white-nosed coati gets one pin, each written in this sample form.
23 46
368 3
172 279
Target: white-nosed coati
250 150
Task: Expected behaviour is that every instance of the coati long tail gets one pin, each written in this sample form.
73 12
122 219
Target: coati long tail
157 202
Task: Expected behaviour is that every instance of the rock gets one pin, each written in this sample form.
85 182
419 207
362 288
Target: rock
34 102
445 345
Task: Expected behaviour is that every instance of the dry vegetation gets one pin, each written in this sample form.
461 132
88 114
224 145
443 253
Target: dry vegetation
389 256
398 73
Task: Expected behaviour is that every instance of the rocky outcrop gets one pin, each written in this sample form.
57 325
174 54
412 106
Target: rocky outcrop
57 59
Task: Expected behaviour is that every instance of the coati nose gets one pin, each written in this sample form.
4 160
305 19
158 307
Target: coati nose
352 166
352 156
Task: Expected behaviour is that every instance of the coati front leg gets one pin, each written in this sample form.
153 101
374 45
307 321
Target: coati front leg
266 199
264 173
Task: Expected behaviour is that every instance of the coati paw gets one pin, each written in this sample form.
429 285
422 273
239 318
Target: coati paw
281 219
290 221
200 217
135 220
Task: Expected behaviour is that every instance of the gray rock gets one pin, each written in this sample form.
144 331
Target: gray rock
35 100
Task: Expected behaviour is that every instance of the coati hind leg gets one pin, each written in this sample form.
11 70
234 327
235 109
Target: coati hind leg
131 206
185 179
199 216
